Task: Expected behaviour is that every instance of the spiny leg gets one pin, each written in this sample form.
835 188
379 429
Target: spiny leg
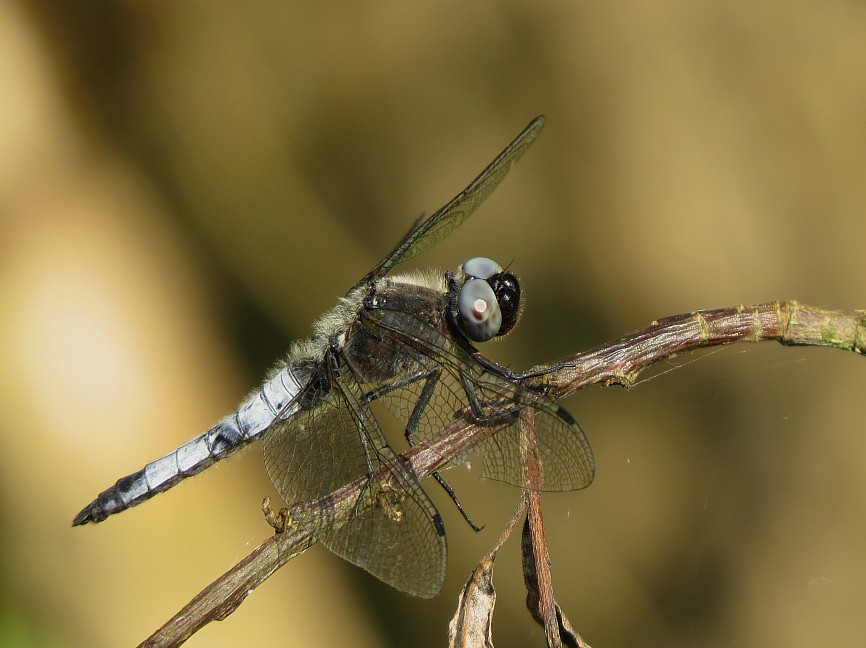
405 381
444 484
431 379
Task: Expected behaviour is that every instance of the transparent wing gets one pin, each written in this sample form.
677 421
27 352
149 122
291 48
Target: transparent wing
315 451
441 380
396 535
428 232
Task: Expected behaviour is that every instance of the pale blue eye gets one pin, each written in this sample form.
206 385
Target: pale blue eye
480 316
481 268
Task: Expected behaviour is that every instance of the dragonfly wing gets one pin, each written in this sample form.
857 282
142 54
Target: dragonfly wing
397 540
562 447
443 373
395 533
311 454
426 233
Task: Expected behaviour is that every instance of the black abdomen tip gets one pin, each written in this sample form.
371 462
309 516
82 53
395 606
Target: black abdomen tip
91 513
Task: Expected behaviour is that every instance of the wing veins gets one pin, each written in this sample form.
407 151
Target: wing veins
498 391
425 234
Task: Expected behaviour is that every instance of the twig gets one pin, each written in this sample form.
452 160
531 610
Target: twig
540 599
621 361
618 362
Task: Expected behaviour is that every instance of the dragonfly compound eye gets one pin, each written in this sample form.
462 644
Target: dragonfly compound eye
506 287
480 317
481 268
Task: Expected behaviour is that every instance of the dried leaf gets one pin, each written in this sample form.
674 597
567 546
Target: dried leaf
471 626
564 631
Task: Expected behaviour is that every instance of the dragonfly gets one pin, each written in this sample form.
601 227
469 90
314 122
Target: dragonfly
406 342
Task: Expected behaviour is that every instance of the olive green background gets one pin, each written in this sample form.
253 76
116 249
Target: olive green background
185 186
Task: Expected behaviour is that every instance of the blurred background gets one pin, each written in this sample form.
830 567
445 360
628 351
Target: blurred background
185 186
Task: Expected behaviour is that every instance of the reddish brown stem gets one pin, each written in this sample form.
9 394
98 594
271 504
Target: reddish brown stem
618 362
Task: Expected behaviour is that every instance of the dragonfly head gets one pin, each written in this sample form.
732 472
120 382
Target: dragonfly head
487 301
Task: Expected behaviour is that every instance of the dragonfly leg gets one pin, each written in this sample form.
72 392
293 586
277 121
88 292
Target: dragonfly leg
383 390
445 485
508 374
470 396
431 379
